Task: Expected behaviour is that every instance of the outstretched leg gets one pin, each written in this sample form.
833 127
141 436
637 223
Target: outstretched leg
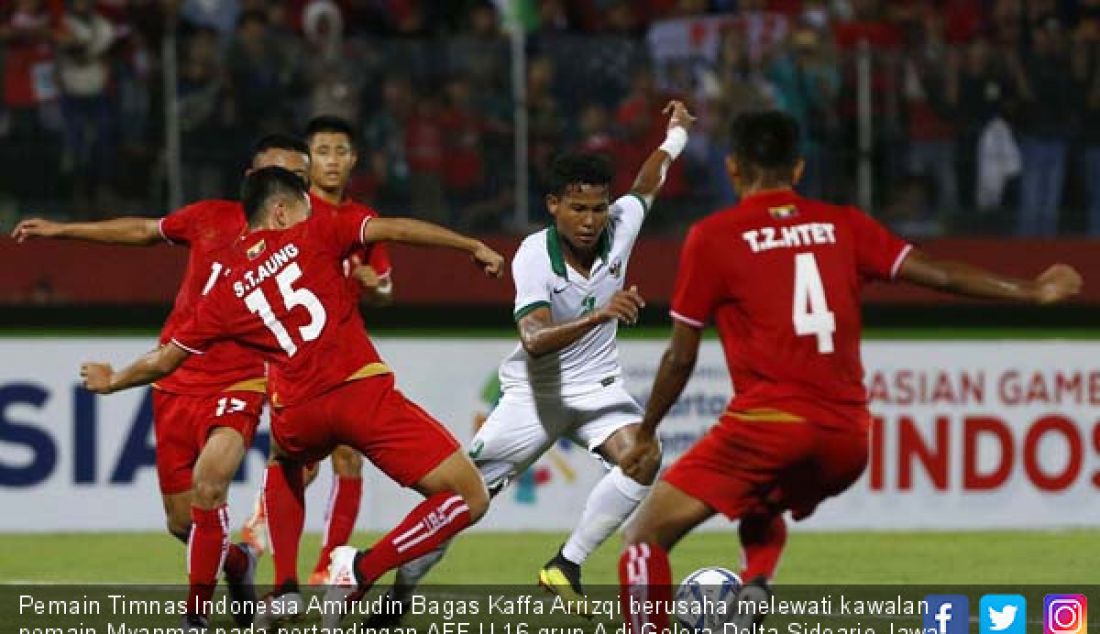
208 548
645 575
456 498
609 503
284 503
762 539
343 507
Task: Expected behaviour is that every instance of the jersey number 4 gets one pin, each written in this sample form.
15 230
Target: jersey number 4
257 303
811 313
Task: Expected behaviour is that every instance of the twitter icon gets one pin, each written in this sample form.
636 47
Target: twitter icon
1002 614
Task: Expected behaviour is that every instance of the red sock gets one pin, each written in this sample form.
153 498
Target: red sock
236 562
645 577
340 518
284 501
762 538
205 550
436 520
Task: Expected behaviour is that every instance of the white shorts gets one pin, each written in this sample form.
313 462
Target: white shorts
522 427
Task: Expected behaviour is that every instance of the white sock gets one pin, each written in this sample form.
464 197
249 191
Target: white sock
611 501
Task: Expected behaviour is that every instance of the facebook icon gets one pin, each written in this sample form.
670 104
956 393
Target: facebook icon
946 614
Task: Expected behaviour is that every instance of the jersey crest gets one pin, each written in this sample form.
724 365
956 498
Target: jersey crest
782 212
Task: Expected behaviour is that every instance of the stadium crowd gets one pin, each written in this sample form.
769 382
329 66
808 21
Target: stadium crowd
983 113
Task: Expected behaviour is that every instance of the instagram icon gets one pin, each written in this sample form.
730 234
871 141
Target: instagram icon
1065 614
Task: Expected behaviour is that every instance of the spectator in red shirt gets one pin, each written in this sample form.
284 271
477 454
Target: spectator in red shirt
28 63
596 134
636 117
463 167
424 151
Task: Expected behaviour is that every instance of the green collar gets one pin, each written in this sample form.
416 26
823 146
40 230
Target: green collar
557 259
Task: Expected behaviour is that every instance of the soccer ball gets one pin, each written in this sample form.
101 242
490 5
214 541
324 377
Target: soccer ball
707 599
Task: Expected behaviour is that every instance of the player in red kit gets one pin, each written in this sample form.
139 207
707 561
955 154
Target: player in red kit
333 155
284 295
780 276
205 414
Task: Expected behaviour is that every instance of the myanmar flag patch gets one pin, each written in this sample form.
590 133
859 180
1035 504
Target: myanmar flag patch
255 250
783 211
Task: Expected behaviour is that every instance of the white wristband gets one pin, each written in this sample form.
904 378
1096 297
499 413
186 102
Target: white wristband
675 141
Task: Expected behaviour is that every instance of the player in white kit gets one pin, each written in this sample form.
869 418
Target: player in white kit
564 378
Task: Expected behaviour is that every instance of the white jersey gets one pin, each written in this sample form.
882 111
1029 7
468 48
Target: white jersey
543 278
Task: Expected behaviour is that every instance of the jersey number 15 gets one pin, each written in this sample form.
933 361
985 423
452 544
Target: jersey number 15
811 312
257 303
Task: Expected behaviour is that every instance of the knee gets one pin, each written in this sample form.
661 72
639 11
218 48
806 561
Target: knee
179 526
210 492
477 499
648 476
347 462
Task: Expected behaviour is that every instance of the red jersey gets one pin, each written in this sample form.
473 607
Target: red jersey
376 254
205 227
781 277
284 294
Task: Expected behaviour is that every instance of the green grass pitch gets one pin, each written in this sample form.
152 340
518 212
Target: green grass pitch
1002 557
866 565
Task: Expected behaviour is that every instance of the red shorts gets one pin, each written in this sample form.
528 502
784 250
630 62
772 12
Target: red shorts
749 467
401 439
183 423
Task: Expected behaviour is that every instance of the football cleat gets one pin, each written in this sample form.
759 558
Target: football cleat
562 577
318 577
275 609
254 530
343 586
754 591
387 618
242 590
195 624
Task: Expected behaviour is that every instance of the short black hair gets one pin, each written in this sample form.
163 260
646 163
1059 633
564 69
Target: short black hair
262 185
765 144
580 168
331 124
279 141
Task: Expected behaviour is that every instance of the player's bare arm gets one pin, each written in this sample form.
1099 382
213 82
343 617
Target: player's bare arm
418 232
377 290
1058 283
540 335
651 176
157 364
677 363
131 231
